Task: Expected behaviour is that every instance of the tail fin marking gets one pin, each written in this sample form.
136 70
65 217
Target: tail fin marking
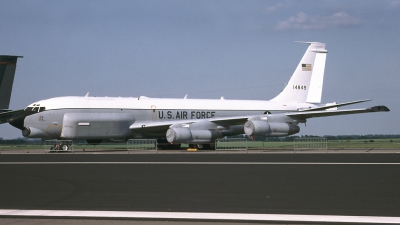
305 85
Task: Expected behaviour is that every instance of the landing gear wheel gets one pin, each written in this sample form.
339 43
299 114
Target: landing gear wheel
210 146
199 146
65 147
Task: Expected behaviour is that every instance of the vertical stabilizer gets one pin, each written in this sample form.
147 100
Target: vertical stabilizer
8 65
305 85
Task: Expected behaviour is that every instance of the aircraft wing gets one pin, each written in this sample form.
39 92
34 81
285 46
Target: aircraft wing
324 113
238 120
234 120
4 116
152 126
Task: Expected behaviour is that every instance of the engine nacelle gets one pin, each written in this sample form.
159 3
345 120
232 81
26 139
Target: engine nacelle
178 135
184 135
266 129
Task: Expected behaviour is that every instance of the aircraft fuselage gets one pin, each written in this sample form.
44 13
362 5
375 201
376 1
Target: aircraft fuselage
113 118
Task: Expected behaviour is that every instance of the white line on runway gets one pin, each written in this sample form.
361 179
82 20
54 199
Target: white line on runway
198 216
198 163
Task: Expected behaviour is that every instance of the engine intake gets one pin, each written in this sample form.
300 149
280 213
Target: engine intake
32 132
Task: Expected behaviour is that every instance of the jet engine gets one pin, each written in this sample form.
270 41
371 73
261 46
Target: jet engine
185 135
269 129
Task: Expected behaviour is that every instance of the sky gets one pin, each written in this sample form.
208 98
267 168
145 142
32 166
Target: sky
206 49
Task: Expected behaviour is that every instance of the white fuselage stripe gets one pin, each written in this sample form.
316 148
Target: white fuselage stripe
198 216
77 102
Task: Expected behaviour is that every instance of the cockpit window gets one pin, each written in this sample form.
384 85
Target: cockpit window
35 109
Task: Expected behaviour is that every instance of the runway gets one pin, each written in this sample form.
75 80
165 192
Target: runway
365 185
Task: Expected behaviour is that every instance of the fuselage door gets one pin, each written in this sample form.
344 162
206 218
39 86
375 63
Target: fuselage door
154 112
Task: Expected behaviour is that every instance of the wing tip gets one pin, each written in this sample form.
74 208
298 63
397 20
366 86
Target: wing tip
380 108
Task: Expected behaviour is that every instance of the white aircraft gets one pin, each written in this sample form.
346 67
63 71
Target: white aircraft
8 64
194 121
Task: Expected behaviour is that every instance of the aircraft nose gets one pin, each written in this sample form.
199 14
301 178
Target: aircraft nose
17 120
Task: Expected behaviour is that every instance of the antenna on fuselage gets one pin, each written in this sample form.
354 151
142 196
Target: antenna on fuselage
87 94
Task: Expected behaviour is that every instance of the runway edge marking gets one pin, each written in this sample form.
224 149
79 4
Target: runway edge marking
198 216
198 163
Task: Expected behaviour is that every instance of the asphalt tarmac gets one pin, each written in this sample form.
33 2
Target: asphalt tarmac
257 183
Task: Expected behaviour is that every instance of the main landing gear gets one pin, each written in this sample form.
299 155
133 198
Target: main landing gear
210 146
60 146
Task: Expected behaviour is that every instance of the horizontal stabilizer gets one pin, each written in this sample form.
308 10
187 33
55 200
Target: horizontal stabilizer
324 113
335 105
